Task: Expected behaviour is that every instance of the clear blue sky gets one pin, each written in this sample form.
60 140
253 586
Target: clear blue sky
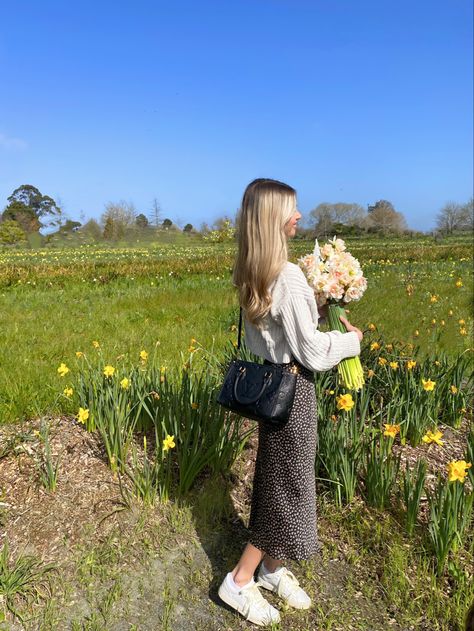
187 101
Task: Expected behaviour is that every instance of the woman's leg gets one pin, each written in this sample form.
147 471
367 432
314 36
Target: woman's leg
248 562
272 564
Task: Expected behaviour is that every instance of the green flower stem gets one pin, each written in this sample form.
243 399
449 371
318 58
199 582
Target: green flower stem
350 369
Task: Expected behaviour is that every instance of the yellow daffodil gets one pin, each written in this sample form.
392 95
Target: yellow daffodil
382 361
411 364
79 354
370 373
437 363
442 322
463 331
389 347
461 321
459 283
125 383
68 392
434 298
143 356
433 437
333 418
394 365
109 371
195 406
371 327
63 369
450 312
453 389
374 346
345 402
168 443
391 430
83 415
433 321
457 470
95 344
191 349
416 333
428 384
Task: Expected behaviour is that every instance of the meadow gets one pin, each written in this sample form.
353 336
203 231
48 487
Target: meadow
127 344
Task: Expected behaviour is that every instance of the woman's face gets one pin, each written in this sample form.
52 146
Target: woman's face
292 223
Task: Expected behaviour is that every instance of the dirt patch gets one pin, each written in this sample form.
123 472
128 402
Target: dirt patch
44 523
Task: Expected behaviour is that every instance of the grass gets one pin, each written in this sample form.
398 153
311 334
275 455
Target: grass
22 581
154 570
369 570
45 325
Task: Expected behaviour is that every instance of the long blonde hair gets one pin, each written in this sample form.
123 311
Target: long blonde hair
267 206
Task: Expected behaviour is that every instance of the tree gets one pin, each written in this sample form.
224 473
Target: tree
467 221
155 213
117 219
23 215
70 226
92 230
225 231
11 232
167 224
141 221
454 216
327 216
384 219
188 227
27 202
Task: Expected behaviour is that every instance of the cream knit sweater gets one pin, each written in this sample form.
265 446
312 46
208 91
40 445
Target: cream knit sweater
290 328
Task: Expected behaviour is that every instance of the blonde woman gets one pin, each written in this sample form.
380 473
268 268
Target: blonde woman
281 319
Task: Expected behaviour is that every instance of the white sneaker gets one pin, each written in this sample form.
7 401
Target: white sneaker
248 601
284 584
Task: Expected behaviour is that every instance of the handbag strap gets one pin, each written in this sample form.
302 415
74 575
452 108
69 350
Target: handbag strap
240 329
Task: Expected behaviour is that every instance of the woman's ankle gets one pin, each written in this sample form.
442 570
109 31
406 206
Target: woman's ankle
241 578
271 565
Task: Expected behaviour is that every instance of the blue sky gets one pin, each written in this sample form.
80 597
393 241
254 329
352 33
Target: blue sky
189 101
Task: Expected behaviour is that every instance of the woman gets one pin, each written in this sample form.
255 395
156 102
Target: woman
281 318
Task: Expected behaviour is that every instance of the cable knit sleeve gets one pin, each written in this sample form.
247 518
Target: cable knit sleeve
314 349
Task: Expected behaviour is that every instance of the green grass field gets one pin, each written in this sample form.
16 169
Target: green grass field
56 302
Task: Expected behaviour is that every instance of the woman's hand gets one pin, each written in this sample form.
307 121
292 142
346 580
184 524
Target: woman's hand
350 327
323 311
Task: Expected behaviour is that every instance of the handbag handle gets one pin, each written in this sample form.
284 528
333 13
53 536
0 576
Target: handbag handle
242 400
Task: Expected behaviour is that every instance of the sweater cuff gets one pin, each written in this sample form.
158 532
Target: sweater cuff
352 344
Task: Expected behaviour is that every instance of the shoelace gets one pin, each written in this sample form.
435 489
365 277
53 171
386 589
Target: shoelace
287 580
254 597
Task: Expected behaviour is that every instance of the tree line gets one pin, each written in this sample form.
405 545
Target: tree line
28 212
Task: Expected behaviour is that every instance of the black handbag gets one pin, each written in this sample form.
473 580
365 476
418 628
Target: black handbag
262 392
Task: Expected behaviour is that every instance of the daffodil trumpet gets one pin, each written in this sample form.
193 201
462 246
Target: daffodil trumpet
350 369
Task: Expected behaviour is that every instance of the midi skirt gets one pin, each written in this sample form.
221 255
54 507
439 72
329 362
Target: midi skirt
283 521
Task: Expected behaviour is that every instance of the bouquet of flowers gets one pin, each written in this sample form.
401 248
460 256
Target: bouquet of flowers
337 279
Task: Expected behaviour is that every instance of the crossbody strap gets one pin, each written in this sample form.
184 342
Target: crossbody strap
240 329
